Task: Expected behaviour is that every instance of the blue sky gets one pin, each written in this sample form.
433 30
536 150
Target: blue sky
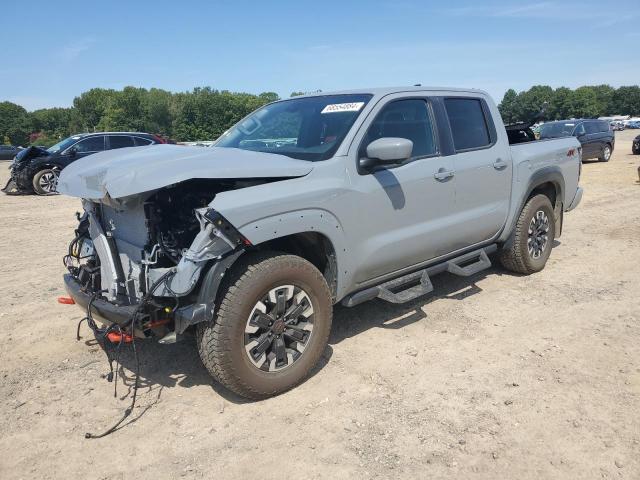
53 51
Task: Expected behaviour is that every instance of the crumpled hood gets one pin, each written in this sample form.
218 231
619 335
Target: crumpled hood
29 153
130 171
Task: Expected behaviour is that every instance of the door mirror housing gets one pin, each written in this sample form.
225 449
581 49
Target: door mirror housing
387 151
72 152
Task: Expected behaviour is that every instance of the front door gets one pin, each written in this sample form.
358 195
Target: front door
404 212
84 147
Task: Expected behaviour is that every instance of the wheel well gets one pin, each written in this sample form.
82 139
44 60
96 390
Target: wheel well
46 166
549 189
313 247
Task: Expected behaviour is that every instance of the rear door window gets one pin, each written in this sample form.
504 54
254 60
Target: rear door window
140 142
605 126
468 123
120 141
90 145
591 127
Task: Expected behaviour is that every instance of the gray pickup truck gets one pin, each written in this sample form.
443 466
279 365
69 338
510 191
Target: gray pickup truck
307 202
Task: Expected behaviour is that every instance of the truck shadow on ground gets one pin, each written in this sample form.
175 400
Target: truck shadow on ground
178 365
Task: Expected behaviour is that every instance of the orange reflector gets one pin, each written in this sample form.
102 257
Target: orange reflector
115 337
66 300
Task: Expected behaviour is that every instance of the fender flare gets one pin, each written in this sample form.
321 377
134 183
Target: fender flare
258 232
314 220
550 174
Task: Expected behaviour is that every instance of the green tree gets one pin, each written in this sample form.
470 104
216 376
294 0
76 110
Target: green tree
91 107
604 97
530 103
15 123
584 103
508 107
626 101
560 105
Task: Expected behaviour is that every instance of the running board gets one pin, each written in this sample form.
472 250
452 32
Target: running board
416 284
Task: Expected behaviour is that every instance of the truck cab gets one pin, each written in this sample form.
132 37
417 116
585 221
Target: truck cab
307 202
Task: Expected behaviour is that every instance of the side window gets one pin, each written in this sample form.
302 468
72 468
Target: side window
468 123
605 126
91 144
580 130
120 141
408 119
140 142
591 127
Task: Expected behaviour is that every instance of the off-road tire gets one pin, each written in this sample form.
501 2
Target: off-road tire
37 180
515 255
604 156
221 341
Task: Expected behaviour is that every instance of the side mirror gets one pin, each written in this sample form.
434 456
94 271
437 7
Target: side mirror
72 152
387 151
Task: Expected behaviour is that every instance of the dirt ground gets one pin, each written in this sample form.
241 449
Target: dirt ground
497 376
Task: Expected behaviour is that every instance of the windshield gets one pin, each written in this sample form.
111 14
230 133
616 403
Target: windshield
557 129
63 144
308 128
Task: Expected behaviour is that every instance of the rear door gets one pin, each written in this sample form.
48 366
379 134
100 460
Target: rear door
592 139
119 141
141 142
483 171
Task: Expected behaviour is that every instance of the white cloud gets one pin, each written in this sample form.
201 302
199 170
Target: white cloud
70 52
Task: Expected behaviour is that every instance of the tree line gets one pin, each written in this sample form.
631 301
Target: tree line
205 113
564 103
201 114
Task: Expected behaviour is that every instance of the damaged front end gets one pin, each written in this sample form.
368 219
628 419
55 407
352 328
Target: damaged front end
136 262
21 171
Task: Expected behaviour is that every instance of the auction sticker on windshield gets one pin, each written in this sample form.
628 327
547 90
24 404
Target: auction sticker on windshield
343 107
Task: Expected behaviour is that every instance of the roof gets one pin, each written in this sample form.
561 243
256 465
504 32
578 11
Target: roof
382 91
86 134
574 120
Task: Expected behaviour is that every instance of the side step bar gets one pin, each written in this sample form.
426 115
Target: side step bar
413 285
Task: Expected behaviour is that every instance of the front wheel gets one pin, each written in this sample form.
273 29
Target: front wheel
529 247
605 156
45 182
271 326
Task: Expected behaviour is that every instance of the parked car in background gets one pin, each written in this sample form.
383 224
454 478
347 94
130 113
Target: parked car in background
617 126
7 152
36 170
633 124
635 147
595 136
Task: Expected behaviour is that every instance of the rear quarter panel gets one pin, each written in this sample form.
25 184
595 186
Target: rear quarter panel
543 156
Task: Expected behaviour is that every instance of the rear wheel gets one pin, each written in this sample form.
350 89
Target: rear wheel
530 245
45 181
605 156
271 327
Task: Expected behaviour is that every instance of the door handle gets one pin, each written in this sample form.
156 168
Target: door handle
442 174
500 164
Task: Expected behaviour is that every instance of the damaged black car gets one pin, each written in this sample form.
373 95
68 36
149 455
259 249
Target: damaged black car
36 170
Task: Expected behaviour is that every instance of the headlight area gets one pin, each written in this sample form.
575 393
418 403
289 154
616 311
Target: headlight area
153 293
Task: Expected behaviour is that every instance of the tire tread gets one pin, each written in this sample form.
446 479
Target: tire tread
212 337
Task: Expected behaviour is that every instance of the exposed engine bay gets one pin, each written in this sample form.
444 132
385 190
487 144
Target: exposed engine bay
153 248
